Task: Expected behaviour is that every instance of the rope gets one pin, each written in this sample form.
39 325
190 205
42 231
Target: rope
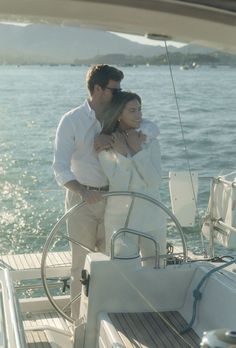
197 294
184 142
179 334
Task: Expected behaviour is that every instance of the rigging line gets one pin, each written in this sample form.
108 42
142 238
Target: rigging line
184 141
181 124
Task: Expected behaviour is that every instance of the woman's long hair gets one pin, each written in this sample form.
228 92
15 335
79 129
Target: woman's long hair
112 114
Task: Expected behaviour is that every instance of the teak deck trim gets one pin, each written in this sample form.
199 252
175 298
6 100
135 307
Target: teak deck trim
153 330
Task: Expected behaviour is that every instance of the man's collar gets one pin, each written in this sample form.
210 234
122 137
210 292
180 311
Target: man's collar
90 111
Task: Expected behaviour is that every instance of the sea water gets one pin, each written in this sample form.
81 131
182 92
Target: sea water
195 110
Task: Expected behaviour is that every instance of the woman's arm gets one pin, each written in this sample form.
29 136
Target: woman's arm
148 163
135 140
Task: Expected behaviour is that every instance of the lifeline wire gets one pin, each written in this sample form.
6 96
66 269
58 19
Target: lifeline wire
184 141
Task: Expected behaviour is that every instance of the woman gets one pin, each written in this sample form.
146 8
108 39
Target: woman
132 164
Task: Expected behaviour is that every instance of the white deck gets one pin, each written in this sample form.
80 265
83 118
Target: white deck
28 266
37 339
52 319
41 323
41 327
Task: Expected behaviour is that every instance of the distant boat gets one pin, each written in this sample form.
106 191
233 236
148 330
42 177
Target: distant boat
193 65
184 67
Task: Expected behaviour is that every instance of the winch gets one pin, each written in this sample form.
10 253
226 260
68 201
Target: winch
221 338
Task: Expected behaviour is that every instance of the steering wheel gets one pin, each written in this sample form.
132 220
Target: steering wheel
56 236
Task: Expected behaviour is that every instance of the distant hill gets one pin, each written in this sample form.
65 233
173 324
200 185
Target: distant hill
57 44
38 43
185 61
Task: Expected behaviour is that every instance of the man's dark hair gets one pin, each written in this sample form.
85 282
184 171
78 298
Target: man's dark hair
101 74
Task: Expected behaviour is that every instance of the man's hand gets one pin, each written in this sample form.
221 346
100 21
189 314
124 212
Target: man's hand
91 197
103 142
88 196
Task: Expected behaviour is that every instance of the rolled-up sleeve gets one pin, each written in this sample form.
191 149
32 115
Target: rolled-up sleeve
63 150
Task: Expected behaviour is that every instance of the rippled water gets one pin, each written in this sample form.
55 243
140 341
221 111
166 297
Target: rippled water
34 98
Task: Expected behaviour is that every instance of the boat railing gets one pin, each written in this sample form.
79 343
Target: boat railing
224 181
12 331
121 231
219 220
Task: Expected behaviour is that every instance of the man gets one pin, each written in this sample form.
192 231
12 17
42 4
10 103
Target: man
77 168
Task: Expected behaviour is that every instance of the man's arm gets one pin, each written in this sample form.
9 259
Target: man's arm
103 142
63 149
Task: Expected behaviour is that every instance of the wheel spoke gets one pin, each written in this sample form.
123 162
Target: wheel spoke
77 243
56 235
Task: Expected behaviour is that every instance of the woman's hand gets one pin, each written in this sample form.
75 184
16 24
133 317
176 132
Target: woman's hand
135 139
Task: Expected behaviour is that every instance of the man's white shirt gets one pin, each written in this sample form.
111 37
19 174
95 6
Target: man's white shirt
74 155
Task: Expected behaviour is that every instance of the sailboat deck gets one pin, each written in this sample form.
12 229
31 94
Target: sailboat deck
22 264
50 318
153 330
37 339
36 326
32 261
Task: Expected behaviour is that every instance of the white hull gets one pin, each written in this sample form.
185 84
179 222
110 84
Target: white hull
123 286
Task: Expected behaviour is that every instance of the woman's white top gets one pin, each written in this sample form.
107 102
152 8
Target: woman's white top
140 173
